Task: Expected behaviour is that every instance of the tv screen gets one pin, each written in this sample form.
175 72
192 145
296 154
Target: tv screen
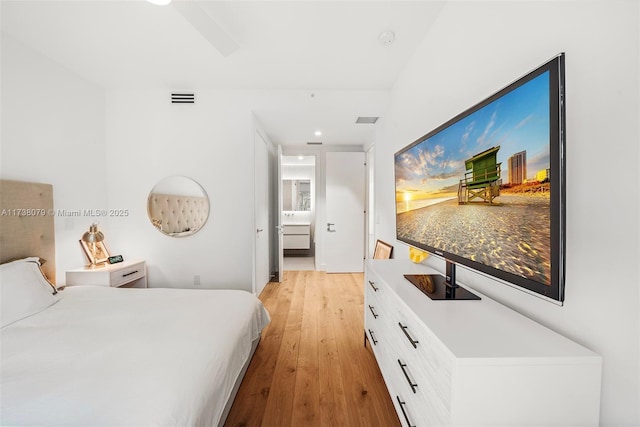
486 189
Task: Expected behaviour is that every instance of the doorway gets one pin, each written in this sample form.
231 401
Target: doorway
298 212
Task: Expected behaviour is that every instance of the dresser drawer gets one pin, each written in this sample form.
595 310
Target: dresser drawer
417 383
374 286
422 409
406 408
375 322
127 274
427 399
372 328
374 302
419 408
419 345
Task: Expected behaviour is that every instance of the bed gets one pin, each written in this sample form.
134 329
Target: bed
92 355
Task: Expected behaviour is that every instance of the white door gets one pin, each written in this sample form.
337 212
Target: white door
370 203
279 230
344 231
261 261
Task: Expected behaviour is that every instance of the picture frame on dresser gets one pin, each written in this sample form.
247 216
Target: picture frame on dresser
383 250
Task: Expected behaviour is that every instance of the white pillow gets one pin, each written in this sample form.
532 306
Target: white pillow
24 290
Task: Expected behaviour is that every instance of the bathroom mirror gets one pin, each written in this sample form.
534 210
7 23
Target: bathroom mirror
296 194
178 206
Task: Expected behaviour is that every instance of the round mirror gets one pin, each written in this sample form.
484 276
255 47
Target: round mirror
178 206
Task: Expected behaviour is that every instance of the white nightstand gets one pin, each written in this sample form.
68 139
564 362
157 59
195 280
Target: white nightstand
130 274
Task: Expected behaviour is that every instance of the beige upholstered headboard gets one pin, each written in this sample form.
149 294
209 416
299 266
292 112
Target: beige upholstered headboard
26 223
178 214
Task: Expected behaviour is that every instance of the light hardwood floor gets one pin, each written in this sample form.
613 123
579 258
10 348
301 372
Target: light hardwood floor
311 367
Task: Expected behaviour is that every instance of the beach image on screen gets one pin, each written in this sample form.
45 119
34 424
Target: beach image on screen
480 188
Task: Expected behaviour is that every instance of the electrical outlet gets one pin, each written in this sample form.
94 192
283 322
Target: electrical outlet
196 280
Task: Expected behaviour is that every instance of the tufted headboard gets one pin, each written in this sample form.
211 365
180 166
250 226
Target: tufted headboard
26 223
177 215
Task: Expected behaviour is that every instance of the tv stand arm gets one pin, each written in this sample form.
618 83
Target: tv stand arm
450 275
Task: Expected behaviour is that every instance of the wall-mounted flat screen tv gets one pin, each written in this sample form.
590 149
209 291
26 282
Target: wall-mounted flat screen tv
486 189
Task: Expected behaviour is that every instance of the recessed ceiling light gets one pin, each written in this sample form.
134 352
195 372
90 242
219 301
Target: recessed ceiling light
317 133
300 157
160 2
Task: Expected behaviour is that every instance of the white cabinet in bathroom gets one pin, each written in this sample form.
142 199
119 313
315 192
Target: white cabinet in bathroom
297 236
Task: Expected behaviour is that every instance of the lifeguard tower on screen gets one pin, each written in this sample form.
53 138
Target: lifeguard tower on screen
482 181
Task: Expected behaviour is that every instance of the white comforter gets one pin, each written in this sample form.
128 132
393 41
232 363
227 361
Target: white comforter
128 357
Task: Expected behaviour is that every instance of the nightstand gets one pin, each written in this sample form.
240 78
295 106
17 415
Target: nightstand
130 274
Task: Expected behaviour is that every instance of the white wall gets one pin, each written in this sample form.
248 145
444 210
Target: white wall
53 121
179 185
211 141
52 127
476 48
298 172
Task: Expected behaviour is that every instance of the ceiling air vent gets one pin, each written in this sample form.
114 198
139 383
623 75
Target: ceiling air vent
366 120
314 143
182 98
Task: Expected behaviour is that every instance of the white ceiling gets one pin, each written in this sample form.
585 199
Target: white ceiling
298 160
319 63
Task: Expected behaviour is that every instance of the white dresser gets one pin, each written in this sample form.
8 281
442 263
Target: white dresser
471 363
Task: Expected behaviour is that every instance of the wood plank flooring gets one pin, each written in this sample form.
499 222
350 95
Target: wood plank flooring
311 367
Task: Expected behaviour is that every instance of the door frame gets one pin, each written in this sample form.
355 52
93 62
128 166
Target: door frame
259 265
370 202
319 185
279 274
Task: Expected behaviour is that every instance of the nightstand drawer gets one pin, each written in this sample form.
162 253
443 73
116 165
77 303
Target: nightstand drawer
131 273
126 275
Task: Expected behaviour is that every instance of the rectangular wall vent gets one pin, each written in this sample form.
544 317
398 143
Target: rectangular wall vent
183 98
366 120
314 143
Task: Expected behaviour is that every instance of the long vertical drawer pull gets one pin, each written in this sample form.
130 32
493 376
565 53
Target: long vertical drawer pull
411 340
404 371
373 285
375 316
401 403
373 338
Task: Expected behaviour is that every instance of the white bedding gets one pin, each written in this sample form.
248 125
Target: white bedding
128 357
